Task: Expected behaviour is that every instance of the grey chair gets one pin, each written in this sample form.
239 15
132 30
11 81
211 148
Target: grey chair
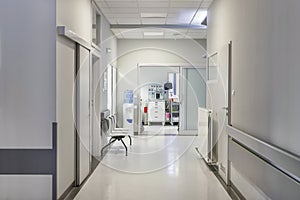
116 134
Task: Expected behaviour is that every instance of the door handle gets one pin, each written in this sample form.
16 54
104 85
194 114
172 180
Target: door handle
225 108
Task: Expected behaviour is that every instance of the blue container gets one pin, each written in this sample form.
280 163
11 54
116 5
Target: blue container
128 96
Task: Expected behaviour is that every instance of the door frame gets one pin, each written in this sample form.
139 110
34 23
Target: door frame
182 84
138 95
227 107
78 179
94 81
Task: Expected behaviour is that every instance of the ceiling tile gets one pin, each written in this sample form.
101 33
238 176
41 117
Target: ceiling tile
123 15
206 3
128 20
153 20
154 10
105 10
124 10
179 12
152 4
153 0
122 4
177 21
102 4
115 0
185 4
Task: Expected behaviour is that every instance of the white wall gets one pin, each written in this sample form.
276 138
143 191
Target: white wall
76 15
27 88
27 73
134 52
265 72
108 41
265 37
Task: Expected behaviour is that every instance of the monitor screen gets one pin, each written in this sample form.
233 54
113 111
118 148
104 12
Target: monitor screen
157 96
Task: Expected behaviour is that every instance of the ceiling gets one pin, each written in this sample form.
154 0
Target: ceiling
163 19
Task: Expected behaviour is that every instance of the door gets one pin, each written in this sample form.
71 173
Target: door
217 101
192 96
83 115
95 104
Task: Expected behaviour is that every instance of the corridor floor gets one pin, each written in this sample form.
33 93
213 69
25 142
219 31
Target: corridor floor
156 168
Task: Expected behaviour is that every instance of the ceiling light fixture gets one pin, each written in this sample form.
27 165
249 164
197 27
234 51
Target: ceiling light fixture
154 15
153 33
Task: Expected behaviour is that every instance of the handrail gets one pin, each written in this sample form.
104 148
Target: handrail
282 160
32 161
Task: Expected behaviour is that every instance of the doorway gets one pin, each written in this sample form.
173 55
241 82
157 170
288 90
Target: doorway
158 97
175 106
218 101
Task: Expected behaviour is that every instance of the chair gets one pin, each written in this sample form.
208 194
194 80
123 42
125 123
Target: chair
116 134
115 130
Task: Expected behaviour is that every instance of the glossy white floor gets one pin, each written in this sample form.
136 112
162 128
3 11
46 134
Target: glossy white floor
157 167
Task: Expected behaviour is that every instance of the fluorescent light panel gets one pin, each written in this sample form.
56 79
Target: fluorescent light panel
153 15
153 33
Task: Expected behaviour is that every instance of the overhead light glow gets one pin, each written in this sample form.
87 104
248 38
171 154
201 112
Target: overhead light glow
199 17
153 33
153 15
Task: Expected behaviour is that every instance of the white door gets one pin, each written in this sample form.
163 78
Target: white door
192 96
83 114
217 101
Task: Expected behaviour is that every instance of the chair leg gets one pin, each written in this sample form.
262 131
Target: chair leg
130 140
111 139
110 142
124 146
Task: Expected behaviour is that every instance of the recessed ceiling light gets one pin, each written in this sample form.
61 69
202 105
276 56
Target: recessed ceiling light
153 15
153 33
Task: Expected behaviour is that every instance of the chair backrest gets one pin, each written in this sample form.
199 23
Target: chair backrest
104 126
114 121
106 123
111 124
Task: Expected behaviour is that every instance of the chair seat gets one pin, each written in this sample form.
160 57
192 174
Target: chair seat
118 134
